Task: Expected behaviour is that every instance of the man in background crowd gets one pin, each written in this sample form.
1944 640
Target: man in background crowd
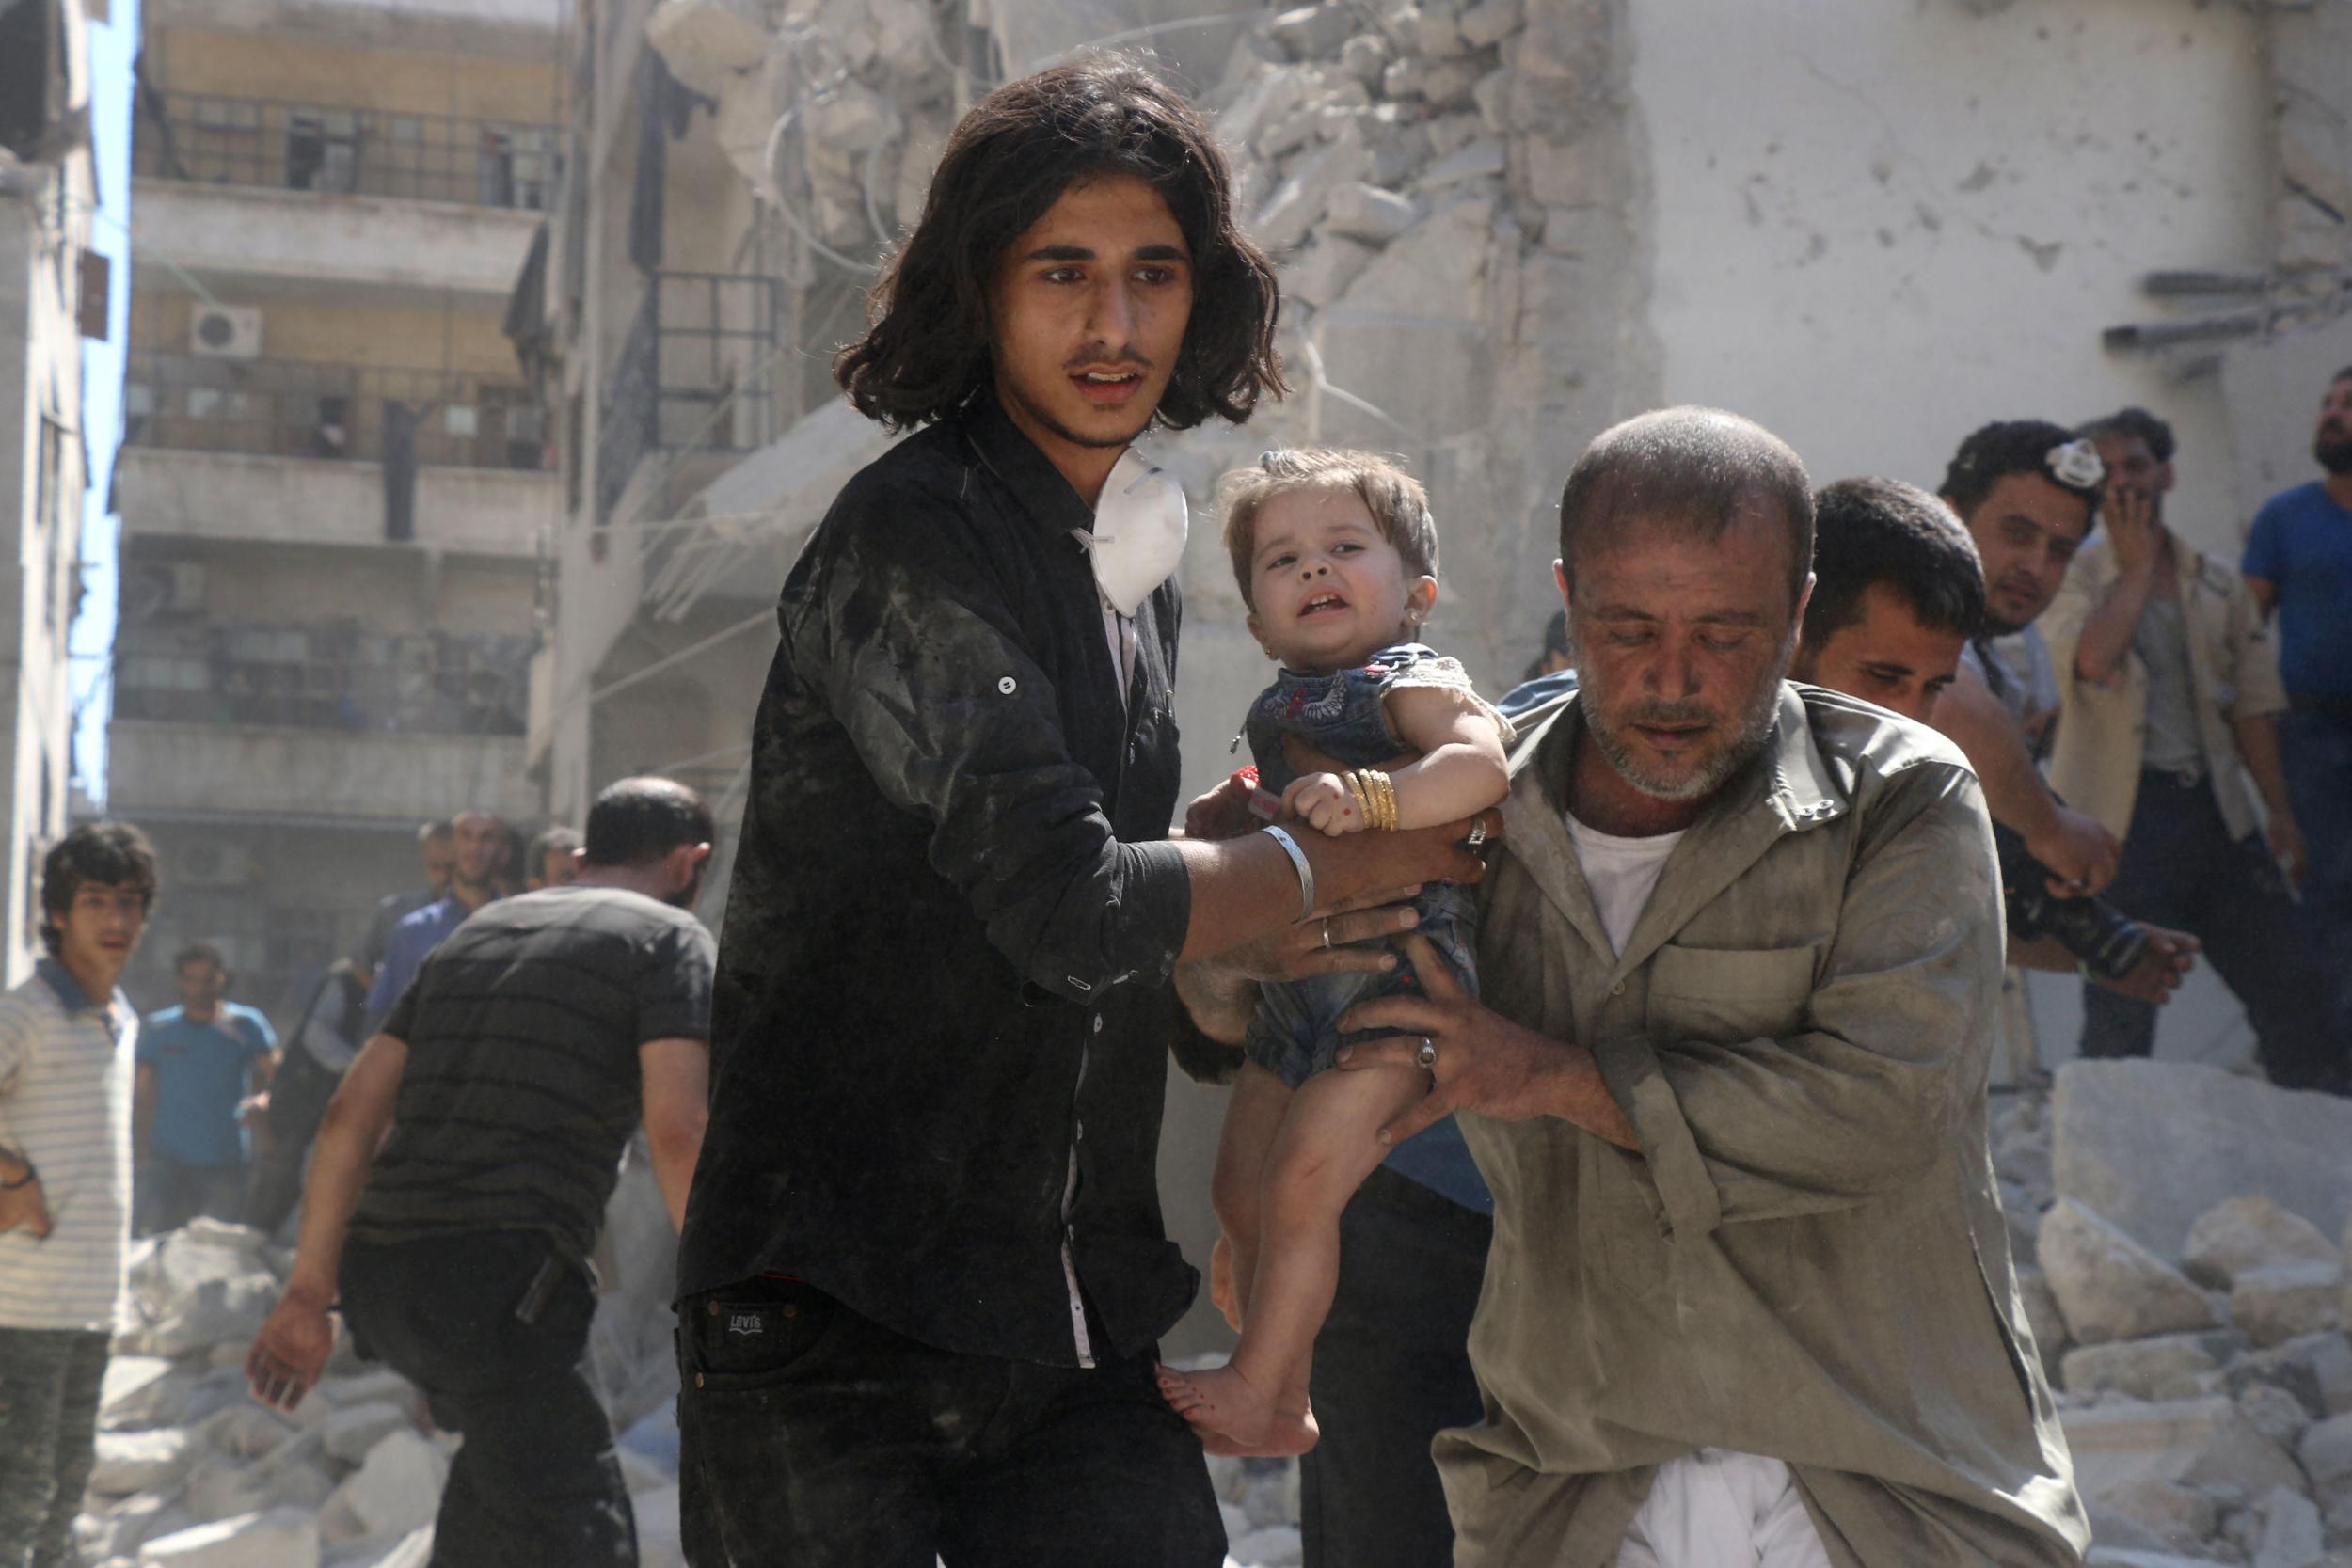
2299 562
554 859
198 1064
67 1040
479 857
1897 592
533 1042
437 845
317 1052
2169 686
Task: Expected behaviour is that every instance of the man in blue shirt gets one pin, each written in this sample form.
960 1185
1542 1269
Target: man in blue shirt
2298 562
480 839
197 1064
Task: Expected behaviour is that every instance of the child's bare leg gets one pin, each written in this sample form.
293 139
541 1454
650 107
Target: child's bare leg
1253 1117
1329 1143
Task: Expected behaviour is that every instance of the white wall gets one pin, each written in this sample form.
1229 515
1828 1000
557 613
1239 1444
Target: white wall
1878 227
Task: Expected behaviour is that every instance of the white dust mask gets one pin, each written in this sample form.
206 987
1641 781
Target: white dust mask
1139 528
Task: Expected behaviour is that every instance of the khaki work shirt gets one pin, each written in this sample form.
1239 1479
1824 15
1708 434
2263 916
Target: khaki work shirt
2103 725
1807 1259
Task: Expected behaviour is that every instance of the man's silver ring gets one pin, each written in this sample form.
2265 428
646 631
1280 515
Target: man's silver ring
1478 832
1426 1058
1327 936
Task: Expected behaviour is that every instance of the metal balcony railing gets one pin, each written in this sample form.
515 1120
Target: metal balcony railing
308 147
696 373
297 409
327 676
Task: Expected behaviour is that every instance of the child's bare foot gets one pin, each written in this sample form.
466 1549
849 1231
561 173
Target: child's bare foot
1232 1417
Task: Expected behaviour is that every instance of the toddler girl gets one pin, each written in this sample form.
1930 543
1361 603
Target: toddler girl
1364 729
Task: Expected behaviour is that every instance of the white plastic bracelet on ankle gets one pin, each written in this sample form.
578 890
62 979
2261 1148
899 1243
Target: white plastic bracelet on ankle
1305 872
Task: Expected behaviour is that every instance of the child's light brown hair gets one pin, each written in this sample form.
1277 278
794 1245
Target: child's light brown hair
1398 504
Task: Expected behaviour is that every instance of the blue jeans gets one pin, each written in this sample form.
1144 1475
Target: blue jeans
2317 749
2180 869
1391 1372
49 1387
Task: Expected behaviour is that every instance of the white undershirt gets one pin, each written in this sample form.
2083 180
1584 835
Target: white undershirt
1621 872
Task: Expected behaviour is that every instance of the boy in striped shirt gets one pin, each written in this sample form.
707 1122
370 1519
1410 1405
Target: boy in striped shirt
67 1040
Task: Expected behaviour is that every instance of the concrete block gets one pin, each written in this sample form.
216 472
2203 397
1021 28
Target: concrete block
1324 268
413 1550
1361 211
1299 201
1365 57
398 1488
245 1431
1483 159
2249 1233
2315 1367
282 1537
2109 1285
2291 1533
1490 22
133 1387
2165 1367
2275 1413
292 1477
2285 1300
225 1312
1312 32
2199 1443
131 1462
2152 1145
374 1385
2327 1453
703 42
350 1432
2176 1517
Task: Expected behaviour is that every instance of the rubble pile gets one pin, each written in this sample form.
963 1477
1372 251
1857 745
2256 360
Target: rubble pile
2182 1237
193 1473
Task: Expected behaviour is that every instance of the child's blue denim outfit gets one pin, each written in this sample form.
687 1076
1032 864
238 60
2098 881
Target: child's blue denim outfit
1296 1032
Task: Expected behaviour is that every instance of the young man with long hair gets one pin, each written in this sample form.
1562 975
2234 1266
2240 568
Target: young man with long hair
923 1273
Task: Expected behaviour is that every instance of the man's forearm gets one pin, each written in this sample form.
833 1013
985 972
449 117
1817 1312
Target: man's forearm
2258 745
1977 722
1577 1097
2106 633
348 1137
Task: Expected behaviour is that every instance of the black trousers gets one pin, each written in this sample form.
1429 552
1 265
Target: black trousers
297 1104
1391 1370
2181 869
535 1483
814 1437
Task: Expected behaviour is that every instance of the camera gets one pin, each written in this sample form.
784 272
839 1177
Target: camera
2109 942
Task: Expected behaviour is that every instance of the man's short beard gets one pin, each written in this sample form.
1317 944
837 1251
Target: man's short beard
2334 456
1754 727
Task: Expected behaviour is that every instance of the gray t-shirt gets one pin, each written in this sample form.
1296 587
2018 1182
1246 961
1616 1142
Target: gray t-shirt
2161 640
522 1082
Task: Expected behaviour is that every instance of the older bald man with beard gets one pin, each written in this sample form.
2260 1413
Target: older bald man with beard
1750 1297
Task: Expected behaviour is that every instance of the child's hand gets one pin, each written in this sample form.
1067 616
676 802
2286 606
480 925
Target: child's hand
1322 800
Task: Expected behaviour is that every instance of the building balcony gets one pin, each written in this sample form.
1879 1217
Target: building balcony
231 498
167 772
696 377
308 408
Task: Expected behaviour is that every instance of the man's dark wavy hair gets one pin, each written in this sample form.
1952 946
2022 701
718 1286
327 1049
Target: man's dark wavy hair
1993 452
113 854
1868 531
1007 163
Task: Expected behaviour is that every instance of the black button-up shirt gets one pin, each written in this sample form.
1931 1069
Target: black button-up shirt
952 923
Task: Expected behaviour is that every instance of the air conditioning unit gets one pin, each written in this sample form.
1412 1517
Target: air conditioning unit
226 331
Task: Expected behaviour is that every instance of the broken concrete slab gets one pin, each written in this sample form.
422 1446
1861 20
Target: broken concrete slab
350 1432
1483 159
2110 1287
131 1462
1312 32
2152 1145
2163 1366
132 1388
1489 21
2199 1443
282 1537
2291 1535
2251 1232
2275 1413
2315 1367
1367 213
396 1490
2326 1452
2279 1302
1324 269
2176 1517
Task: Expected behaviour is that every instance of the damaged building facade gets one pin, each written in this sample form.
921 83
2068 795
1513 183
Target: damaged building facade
334 480
53 293
1502 225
